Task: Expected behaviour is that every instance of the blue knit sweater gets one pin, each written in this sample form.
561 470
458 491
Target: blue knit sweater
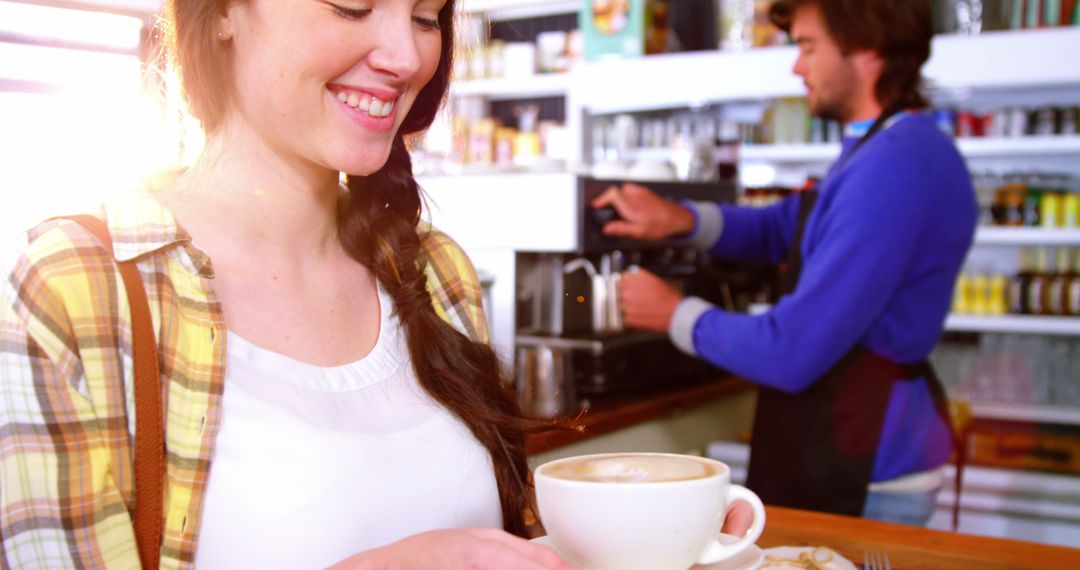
881 253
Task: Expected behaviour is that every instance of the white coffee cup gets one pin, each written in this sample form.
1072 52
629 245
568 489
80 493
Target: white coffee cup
647 511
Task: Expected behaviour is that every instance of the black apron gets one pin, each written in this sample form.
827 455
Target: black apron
816 449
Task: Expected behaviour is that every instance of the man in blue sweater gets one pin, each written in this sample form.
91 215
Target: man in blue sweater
850 417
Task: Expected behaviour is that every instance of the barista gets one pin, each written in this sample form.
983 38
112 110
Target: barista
850 416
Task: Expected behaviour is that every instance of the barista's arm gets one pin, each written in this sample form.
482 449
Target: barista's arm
751 234
857 262
643 214
744 233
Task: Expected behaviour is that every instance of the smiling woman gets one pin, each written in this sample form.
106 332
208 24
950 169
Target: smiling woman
329 391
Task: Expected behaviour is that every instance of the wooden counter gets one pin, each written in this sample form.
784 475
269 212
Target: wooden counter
608 414
909 547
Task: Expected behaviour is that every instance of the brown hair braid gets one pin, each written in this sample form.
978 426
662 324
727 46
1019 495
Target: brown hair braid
378 226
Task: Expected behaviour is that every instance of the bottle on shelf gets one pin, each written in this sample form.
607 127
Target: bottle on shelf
986 196
961 304
1070 210
1010 200
979 293
1038 283
1032 209
1018 285
1071 292
997 302
1050 210
1057 280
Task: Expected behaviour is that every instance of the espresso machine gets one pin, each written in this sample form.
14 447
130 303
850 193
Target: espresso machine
571 346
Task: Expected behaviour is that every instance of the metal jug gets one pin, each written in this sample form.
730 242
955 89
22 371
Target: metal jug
545 381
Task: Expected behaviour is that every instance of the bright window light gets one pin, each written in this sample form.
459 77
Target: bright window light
69 69
33 22
78 126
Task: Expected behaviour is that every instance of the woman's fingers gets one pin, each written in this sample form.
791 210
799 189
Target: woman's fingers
739 518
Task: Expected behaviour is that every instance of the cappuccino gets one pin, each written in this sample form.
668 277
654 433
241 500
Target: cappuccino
641 511
631 468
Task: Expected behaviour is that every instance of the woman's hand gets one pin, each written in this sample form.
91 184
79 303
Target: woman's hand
488 549
473 549
738 520
645 215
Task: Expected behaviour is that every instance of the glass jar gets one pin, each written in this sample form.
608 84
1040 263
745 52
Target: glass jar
736 24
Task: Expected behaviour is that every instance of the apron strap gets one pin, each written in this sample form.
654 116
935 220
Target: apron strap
807 199
789 278
960 434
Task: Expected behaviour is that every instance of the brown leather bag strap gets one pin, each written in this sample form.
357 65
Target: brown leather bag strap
149 427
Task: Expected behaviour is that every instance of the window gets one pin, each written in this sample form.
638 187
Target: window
80 117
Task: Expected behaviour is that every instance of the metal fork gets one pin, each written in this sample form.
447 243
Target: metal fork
873 560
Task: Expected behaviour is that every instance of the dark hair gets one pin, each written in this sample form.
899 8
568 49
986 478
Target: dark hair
378 224
898 30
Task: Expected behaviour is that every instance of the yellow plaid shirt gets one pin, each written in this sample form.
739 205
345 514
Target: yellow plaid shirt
66 383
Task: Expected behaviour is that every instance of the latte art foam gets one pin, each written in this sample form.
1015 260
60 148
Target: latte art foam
631 469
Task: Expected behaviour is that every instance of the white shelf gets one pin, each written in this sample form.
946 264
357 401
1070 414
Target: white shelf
1006 60
688 79
1068 415
1023 324
1030 147
1026 236
525 87
801 153
1021 59
511 9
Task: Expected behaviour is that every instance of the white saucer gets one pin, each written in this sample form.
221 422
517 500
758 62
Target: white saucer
750 559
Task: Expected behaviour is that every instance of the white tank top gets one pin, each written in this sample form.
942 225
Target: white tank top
313 464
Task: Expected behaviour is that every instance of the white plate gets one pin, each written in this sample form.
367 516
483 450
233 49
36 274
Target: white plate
749 559
838 562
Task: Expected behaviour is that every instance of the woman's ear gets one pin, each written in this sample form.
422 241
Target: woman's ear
227 21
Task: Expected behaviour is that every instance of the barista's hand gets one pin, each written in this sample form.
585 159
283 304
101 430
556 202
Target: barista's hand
476 549
648 302
644 214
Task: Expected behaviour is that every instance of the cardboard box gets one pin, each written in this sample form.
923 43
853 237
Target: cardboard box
613 28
